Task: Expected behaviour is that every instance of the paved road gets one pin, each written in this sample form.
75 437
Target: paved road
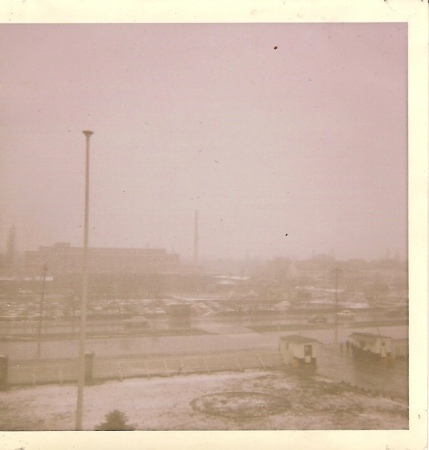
231 340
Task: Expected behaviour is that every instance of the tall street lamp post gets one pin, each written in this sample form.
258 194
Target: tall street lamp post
81 375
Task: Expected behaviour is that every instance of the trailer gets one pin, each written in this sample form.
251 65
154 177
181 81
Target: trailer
299 351
371 346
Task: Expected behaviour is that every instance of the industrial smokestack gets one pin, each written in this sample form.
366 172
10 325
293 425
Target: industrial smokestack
196 241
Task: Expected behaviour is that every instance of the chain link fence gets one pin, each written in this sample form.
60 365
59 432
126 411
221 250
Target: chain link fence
34 372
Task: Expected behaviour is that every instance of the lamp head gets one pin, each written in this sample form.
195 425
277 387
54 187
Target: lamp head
88 133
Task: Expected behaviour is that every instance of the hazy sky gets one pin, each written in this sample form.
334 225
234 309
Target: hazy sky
266 129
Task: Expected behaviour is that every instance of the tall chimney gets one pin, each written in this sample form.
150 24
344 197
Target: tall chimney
196 241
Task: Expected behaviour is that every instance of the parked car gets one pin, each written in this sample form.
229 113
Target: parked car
137 323
318 318
346 314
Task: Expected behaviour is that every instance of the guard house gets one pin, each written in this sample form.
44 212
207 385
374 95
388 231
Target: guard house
370 345
299 351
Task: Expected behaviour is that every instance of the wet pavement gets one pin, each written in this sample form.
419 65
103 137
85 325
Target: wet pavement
223 337
370 375
234 337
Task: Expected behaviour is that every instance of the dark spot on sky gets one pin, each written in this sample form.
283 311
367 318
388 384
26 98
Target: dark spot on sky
275 48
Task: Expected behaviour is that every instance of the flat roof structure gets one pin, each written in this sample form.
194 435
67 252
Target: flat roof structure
369 335
297 339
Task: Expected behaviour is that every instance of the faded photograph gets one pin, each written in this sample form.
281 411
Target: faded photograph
203 227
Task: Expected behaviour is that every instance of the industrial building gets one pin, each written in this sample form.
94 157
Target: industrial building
62 258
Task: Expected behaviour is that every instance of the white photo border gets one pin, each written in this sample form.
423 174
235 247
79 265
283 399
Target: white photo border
415 14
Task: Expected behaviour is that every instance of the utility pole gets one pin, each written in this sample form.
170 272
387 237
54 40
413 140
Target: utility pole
42 301
196 241
336 305
82 340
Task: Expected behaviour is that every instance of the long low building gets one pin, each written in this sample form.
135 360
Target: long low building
62 258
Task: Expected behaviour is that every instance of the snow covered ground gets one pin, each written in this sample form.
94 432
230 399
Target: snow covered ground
273 400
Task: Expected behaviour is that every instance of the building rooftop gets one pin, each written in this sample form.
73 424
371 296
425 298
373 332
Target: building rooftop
369 335
297 339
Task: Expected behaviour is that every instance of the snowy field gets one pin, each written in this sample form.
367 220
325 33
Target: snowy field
228 401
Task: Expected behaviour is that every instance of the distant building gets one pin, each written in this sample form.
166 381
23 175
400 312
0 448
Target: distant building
62 258
179 309
8 261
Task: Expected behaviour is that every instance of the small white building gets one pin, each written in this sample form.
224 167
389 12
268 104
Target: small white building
370 345
298 350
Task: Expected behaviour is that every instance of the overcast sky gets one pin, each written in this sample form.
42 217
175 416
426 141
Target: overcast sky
266 129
